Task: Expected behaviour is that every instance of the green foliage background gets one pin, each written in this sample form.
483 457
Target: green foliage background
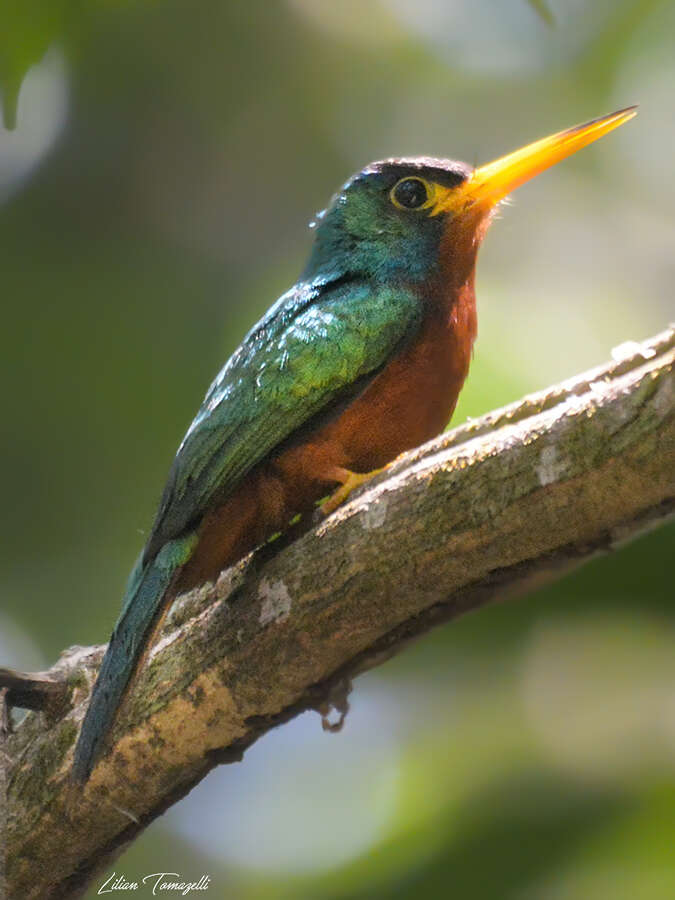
526 751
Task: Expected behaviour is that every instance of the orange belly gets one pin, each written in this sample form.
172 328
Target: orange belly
408 402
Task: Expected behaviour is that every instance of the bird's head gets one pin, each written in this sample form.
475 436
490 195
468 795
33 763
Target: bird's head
397 218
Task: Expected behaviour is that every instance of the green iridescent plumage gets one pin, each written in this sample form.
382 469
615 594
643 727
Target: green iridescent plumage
356 303
314 344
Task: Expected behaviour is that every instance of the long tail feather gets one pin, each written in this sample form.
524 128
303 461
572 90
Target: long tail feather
145 601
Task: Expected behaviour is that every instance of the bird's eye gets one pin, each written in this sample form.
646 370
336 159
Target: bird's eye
410 193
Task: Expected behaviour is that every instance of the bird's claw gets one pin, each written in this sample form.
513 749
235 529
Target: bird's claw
352 480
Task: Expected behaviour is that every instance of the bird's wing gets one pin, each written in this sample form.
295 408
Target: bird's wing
314 343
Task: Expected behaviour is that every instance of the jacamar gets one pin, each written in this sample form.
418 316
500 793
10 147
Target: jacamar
363 358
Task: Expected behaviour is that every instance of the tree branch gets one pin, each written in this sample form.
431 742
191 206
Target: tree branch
33 690
490 506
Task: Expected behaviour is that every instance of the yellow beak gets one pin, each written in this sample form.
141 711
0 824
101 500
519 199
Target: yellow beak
492 182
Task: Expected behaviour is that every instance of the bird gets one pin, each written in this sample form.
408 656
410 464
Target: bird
362 359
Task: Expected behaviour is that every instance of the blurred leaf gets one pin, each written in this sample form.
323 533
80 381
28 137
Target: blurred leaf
29 28
544 10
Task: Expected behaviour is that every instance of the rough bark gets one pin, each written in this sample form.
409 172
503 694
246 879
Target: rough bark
490 506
